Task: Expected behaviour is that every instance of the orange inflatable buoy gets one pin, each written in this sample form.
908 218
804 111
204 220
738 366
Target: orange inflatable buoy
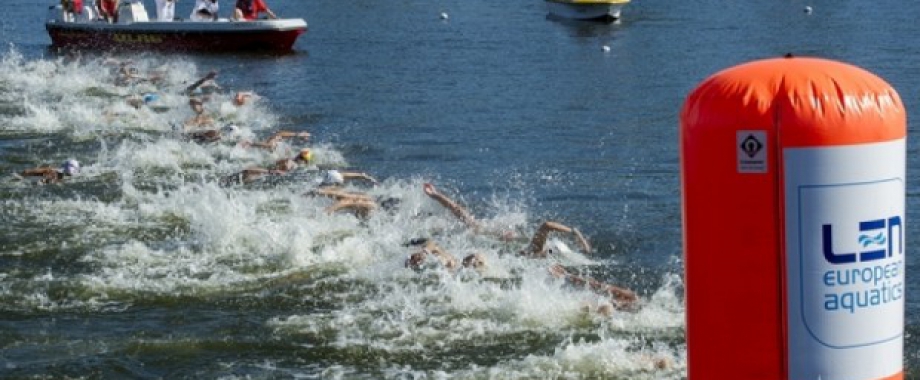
793 183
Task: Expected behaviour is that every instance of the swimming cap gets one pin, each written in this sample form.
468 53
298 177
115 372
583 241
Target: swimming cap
556 247
241 97
230 129
305 155
150 98
70 167
333 177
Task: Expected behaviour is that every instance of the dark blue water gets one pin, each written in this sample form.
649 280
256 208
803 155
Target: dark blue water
145 267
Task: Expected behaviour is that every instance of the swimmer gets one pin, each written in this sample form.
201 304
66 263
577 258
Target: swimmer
128 75
204 85
272 142
417 259
459 211
620 298
49 174
233 131
241 98
281 167
334 177
537 245
213 135
539 239
138 101
359 204
201 119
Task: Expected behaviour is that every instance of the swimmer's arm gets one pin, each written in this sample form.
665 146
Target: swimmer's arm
448 260
258 144
354 175
360 207
581 240
251 174
288 134
273 141
198 83
44 171
458 211
538 242
621 295
341 195
284 165
332 193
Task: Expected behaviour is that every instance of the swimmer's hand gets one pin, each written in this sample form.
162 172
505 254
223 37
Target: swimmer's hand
429 189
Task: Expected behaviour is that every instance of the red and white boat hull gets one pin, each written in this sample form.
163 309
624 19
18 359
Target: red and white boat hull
223 35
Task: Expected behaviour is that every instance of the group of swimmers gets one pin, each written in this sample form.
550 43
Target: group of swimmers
202 128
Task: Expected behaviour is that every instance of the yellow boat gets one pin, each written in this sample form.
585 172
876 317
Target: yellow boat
604 10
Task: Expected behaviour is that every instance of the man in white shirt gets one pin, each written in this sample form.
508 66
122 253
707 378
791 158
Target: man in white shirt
205 10
166 10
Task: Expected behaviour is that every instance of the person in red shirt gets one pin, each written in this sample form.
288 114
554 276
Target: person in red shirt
71 9
108 10
250 9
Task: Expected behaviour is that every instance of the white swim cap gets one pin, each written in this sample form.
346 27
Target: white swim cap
333 177
70 167
556 247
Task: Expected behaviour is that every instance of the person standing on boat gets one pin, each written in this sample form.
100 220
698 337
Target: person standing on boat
108 10
249 10
205 10
166 10
71 8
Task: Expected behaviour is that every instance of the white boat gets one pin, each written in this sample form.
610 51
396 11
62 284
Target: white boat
602 10
134 30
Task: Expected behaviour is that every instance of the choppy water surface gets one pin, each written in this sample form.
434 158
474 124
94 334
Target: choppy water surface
146 266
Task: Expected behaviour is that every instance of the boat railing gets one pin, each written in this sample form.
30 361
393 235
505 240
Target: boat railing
56 13
130 11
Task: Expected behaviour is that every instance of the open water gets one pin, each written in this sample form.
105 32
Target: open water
145 267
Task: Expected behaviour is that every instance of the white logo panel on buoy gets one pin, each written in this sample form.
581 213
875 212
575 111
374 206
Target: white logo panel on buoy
852 261
845 260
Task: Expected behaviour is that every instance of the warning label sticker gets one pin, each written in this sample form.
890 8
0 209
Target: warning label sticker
752 151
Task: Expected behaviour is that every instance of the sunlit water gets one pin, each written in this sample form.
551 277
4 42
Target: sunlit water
146 266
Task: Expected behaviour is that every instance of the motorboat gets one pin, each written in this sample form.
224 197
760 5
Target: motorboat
601 10
133 30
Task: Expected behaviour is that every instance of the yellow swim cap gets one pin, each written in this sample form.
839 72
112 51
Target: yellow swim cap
306 155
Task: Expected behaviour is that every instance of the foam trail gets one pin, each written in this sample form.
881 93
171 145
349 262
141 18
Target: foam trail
149 223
